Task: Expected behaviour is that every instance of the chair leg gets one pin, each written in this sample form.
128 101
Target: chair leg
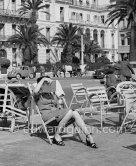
47 134
12 124
71 102
123 123
101 119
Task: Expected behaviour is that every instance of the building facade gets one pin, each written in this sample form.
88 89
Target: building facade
124 40
90 15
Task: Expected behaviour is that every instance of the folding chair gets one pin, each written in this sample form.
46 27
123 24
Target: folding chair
99 102
35 117
9 110
79 97
130 104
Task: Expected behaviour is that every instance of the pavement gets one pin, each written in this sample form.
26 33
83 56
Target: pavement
21 149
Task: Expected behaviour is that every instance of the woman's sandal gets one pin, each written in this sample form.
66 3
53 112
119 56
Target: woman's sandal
60 143
92 145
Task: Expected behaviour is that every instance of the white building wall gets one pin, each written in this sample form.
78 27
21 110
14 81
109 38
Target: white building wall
54 22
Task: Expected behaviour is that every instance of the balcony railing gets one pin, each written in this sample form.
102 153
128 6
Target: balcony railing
98 7
65 1
90 6
12 13
94 23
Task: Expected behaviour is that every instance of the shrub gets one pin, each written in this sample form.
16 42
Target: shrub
48 67
4 62
94 66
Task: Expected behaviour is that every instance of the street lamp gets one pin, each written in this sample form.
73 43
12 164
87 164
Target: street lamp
82 50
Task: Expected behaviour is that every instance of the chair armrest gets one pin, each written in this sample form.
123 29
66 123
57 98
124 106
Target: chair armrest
80 90
119 98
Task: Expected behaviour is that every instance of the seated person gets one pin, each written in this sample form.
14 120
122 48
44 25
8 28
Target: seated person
111 78
111 82
49 107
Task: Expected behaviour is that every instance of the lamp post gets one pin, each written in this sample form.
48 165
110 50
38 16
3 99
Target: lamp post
82 50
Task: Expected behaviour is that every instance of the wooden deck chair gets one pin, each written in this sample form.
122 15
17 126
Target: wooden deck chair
99 102
130 103
79 97
9 110
35 117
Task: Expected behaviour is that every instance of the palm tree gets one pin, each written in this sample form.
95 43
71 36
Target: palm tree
91 48
66 37
26 38
125 9
32 7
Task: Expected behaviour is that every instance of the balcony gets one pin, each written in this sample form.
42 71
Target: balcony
90 23
89 6
77 21
98 7
12 13
124 49
81 5
64 1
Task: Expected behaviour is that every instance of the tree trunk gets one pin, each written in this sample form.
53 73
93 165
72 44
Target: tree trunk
133 43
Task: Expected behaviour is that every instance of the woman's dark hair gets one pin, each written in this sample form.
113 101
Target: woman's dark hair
40 78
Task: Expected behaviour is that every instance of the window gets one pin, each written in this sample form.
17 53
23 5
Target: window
47 55
102 39
95 35
81 16
14 54
48 10
94 3
1 29
80 2
61 14
122 36
13 29
48 33
87 3
88 17
95 18
73 14
13 4
112 36
102 19
128 40
88 33
77 16
1 4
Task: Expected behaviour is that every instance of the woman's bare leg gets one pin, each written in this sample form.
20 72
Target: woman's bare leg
80 123
62 123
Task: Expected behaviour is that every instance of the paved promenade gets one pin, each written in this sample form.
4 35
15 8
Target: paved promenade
20 149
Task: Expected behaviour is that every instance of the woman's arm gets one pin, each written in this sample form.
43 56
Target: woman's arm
39 85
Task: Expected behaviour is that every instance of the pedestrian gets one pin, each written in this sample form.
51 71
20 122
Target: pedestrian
34 70
55 71
126 69
42 71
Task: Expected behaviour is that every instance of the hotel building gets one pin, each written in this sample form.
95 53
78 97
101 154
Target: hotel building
90 15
